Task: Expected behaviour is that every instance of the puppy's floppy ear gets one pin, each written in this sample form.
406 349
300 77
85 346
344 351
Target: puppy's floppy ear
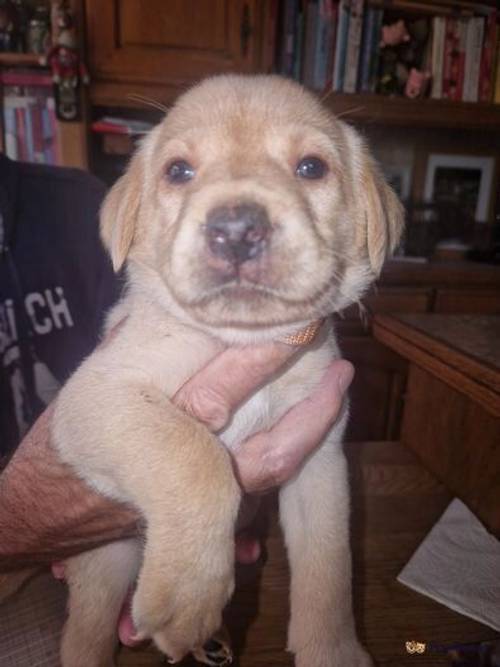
120 211
379 213
384 215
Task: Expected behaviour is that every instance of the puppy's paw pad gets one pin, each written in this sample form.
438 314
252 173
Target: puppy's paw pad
216 652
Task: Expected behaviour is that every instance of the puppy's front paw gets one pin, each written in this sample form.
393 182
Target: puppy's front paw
347 653
182 612
216 652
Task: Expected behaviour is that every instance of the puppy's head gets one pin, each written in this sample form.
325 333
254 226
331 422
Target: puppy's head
252 209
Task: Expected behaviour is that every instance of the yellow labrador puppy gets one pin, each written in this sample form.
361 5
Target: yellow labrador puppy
247 214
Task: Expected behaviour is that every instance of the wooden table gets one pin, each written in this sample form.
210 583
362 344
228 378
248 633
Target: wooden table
451 415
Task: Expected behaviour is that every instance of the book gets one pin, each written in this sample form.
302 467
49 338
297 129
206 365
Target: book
438 37
290 10
117 125
450 50
487 67
496 94
353 47
458 61
270 32
370 49
310 42
299 43
339 60
324 44
473 48
9 123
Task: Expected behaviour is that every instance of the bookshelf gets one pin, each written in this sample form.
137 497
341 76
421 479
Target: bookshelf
20 59
401 111
71 137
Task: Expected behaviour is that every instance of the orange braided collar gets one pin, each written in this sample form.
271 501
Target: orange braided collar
304 336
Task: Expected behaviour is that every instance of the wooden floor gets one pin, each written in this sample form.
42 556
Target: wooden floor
395 503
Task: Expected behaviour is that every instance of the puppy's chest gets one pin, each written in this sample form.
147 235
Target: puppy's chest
253 416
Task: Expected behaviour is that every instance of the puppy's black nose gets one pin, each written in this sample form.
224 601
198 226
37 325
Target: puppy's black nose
237 233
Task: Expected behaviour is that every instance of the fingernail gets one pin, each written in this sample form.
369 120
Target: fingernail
345 376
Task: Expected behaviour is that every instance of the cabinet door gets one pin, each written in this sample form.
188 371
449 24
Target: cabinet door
170 42
376 395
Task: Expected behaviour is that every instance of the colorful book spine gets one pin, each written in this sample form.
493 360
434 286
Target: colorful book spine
496 97
9 120
438 38
487 67
288 42
449 51
458 61
474 44
271 31
36 119
353 46
298 57
21 133
28 124
324 44
341 45
312 16
370 50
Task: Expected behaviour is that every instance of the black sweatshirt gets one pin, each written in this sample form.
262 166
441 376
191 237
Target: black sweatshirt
56 282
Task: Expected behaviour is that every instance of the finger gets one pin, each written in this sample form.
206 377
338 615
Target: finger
126 627
215 391
247 549
270 458
59 570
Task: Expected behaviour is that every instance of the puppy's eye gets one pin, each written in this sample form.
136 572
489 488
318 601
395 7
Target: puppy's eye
312 168
180 171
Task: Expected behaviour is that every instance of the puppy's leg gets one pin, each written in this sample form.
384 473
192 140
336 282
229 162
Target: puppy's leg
181 479
314 510
98 582
217 651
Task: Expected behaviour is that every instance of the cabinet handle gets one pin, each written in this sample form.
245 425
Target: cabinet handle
245 30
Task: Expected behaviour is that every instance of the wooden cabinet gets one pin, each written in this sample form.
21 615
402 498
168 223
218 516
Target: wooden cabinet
480 301
160 47
378 390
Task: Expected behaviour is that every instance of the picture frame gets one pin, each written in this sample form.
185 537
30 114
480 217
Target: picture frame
467 180
399 178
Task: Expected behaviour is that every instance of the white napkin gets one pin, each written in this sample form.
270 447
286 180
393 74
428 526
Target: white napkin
458 564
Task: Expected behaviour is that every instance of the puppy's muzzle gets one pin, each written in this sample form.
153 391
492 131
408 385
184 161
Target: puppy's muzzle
237 234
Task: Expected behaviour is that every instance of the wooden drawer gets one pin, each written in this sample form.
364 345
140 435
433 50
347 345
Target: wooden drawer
485 302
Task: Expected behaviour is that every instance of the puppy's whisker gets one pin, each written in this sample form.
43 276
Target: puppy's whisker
353 110
348 112
148 101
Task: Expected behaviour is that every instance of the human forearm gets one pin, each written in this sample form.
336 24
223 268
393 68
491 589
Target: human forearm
61 517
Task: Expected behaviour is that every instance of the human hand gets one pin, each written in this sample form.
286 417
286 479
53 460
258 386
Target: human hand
47 513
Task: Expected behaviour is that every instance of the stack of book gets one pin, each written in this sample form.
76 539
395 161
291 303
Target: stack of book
338 45
29 119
